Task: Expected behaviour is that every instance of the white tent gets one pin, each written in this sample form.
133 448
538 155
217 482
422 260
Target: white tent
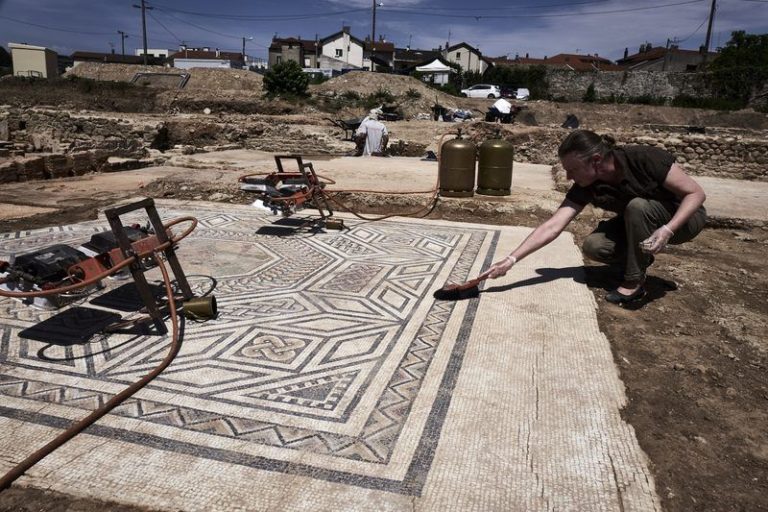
435 72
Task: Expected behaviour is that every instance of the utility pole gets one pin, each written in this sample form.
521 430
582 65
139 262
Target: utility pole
373 28
144 8
123 35
244 40
709 32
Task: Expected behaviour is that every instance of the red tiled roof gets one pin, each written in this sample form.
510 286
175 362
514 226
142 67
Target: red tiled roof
381 46
656 54
582 62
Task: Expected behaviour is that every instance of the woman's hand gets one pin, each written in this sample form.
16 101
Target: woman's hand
500 268
658 240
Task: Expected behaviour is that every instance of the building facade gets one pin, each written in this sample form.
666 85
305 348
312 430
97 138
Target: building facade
35 61
469 58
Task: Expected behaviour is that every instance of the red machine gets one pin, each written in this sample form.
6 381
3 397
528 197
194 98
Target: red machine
287 192
54 276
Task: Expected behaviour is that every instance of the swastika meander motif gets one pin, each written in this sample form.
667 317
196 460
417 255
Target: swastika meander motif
322 344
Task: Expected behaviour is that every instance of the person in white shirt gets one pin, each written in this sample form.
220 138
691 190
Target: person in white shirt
372 136
503 106
500 112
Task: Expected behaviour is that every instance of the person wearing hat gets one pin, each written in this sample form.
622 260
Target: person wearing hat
372 136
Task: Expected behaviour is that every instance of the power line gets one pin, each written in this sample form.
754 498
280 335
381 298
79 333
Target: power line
245 17
502 8
204 29
511 16
166 28
694 32
197 26
47 27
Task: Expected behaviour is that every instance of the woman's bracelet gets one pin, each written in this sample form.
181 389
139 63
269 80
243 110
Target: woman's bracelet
510 257
671 233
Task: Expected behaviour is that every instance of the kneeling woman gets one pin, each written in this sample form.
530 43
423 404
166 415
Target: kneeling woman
655 202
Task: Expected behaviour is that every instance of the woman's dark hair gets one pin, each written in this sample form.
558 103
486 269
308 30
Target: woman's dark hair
585 144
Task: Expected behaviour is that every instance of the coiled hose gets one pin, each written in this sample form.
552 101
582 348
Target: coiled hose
26 464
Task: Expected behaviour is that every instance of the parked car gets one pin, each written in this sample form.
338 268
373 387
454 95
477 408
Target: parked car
515 93
522 93
482 91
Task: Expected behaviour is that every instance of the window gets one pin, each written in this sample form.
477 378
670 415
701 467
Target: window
458 55
339 52
278 59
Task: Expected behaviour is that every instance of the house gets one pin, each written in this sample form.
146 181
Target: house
187 58
379 56
577 62
334 54
112 58
158 53
305 52
517 61
469 58
344 47
661 58
36 61
406 59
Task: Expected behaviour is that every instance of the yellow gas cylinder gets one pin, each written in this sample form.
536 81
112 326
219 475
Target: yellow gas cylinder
494 168
457 168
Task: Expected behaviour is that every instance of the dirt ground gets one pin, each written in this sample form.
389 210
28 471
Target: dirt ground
693 356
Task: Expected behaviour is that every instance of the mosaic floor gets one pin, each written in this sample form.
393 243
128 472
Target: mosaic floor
330 380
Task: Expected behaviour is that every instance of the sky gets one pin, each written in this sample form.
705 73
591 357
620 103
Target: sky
496 27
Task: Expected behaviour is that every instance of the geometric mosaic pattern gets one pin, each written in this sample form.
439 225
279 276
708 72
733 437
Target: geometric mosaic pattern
321 348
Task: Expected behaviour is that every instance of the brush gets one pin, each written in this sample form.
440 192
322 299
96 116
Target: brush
461 291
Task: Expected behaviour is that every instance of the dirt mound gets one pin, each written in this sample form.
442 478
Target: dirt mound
224 79
410 94
114 72
201 79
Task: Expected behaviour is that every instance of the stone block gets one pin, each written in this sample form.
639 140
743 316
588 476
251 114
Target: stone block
80 163
57 166
9 172
34 169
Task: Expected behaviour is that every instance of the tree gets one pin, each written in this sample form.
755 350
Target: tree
590 96
533 78
741 70
286 78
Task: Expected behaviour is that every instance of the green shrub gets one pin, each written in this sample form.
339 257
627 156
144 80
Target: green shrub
686 101
380 97
646 99
412 94
590 96
286 78
448 89
534 78
351 95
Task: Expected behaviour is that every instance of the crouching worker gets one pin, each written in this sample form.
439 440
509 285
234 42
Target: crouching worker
655 201
371 137
501 111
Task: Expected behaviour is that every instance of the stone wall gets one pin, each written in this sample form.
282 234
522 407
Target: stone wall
735 156
571 85
51 144
732 154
